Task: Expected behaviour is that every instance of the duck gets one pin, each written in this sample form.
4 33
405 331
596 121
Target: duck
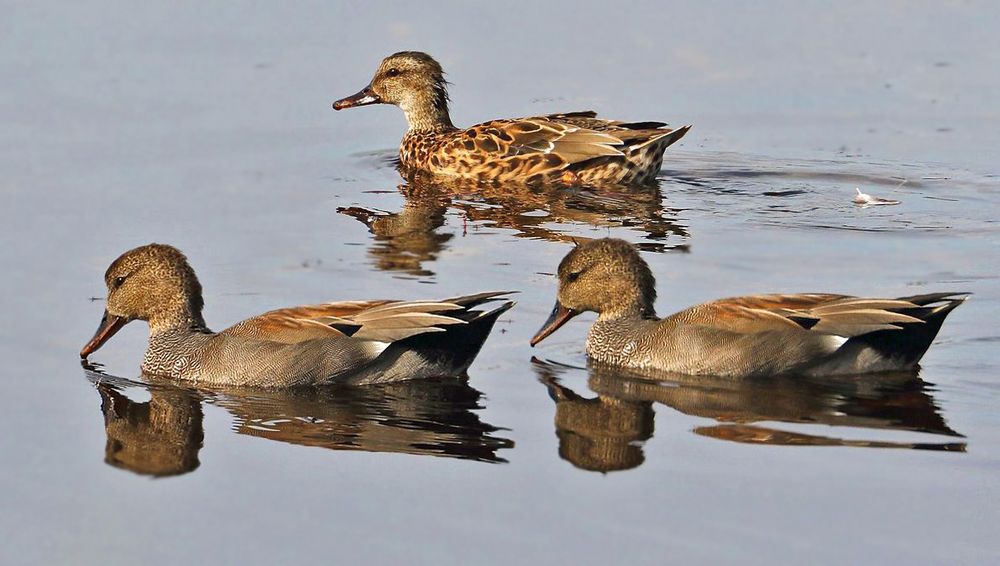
806 334
574 148
350 342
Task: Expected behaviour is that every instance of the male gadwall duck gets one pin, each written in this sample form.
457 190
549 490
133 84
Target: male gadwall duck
573 148
343 342
809 334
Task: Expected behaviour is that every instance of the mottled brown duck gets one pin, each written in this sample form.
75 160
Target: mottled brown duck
340 342
571 148
814 334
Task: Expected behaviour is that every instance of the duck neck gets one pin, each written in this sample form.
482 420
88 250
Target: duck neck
185 318
628 309
428 112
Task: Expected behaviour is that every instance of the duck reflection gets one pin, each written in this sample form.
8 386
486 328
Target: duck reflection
605 433
602 434
424 417
405 240
163 436
160 437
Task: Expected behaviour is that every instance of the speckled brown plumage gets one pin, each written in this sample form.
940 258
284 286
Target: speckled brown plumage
815 333
533 150
346 342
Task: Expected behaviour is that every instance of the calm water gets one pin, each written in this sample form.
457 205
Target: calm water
209 128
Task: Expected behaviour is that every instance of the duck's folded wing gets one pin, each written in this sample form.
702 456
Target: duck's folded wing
550 142
837 315
377 321
397 321
588 119
299 324
634 136
470 301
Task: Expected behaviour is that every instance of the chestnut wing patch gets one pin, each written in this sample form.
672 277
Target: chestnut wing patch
822 313
379 321
303 323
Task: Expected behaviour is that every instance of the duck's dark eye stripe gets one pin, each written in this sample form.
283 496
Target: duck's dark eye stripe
573 276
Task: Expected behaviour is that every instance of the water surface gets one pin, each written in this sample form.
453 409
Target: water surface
208 127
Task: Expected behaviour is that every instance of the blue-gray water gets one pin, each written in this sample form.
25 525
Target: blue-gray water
209 127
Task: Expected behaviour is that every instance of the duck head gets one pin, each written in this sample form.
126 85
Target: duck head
606 276
412 81
152 283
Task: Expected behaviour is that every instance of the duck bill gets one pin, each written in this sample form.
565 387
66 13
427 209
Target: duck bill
110 324
363 98
560 316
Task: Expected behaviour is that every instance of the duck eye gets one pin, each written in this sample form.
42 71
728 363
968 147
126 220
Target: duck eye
118 281
573 276
392 72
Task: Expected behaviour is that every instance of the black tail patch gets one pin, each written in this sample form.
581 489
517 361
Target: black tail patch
911 341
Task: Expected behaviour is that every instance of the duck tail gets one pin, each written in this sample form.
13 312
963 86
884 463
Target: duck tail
460 343
451 351
910 341
661 139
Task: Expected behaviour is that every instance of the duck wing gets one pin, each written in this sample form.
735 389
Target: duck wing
565 142
299 324
588 119
821 313
633 135
379 321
